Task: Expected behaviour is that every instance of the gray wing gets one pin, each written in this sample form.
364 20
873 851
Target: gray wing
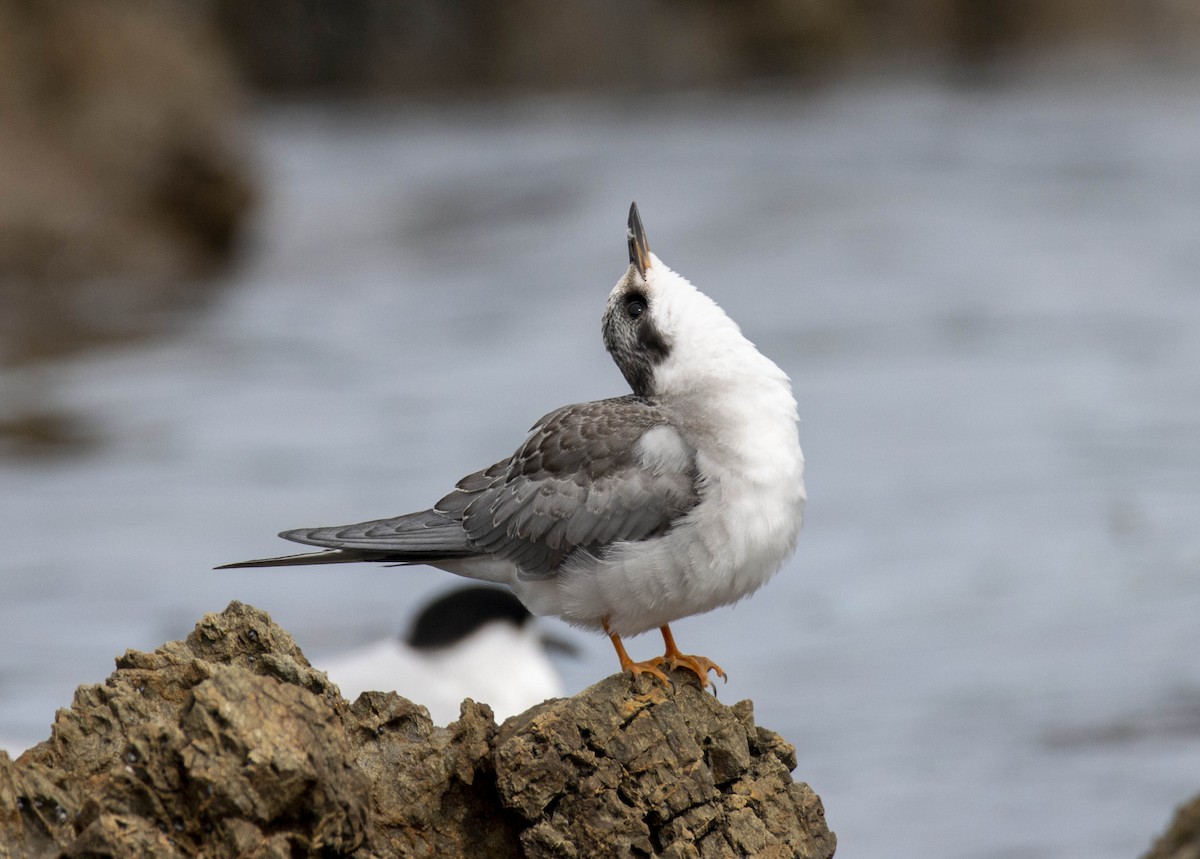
578 483
415 537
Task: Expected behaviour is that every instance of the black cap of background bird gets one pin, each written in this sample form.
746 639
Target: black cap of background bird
455 616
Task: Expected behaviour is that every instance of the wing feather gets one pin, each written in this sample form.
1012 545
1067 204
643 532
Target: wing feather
579 482
590 487
425 535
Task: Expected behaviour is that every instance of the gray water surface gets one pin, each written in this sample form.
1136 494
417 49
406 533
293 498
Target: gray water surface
987 643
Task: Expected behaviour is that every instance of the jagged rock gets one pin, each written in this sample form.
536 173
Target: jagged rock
1182 839
229 744
666 773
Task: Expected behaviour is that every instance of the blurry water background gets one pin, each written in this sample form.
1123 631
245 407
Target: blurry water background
987 643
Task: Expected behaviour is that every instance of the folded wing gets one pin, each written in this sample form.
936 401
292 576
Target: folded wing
580 482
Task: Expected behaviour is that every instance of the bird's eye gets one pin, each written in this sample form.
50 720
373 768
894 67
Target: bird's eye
635 306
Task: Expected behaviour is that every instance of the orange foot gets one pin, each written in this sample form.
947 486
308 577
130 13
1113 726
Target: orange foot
650 666
637 668
698 665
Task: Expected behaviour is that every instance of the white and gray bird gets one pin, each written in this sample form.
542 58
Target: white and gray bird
625 514
451 652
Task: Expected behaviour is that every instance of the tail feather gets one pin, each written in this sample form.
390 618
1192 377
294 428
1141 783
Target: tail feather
334 556
426 533
416 538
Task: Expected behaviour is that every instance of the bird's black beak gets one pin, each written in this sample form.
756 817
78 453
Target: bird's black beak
639 248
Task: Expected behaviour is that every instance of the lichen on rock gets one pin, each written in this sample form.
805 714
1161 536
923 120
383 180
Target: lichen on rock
229 744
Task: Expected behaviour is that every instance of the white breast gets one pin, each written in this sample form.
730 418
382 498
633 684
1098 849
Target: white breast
728 546
663 450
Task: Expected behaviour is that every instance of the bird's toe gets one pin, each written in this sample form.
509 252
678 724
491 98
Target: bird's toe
637 669
698 665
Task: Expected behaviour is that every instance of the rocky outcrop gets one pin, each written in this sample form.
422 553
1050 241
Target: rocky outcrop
1182 838
229 744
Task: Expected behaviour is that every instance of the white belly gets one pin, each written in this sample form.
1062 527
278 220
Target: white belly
725 549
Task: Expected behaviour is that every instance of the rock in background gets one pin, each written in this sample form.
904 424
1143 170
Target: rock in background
439 47
230 744
122 175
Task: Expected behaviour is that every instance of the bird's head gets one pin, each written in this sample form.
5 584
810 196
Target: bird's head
664 334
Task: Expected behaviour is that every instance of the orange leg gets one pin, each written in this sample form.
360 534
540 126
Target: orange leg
698 665
635 668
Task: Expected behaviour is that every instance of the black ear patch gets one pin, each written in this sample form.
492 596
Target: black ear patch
652 342
634 341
